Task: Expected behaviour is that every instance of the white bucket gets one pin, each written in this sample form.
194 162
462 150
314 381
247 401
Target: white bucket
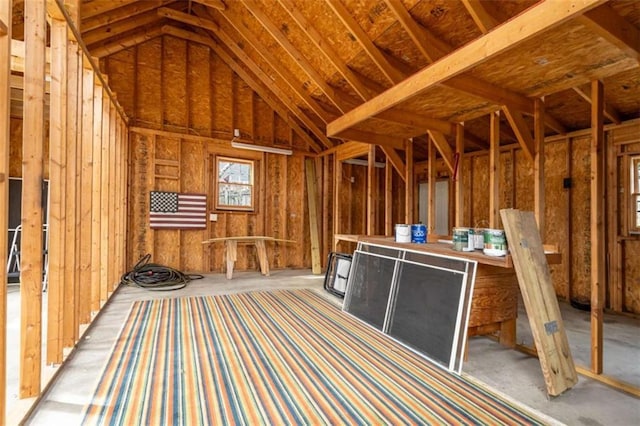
403 233
495 242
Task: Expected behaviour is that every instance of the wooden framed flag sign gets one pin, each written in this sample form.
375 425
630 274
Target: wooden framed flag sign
173 210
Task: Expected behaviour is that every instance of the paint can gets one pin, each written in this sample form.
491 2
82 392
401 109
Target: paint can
403 233
495 242
418 233
461 239
476 238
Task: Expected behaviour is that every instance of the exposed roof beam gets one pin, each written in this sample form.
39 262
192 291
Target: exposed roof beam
480 15
395 161
214 4
410 118
146 34
287 76
610 112
322 45
332 94
185 18
522 131
98 7
266 94
432 48
109 31
605 22
391 74
535 20
124 12
445 150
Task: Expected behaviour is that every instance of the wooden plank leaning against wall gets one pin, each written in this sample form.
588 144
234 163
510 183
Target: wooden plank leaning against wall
5 75
73 124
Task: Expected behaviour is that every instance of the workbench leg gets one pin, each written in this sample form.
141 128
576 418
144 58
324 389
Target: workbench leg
508 333
262 257
231 252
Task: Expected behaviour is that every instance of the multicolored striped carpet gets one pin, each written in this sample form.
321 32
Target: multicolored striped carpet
284 357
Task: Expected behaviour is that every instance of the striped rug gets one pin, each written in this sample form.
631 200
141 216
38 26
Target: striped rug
277 358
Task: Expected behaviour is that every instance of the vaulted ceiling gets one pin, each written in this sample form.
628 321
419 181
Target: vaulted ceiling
384 70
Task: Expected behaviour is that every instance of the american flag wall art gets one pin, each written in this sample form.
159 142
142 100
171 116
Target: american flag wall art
173 210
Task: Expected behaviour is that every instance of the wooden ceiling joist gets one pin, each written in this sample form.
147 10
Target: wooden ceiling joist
525 26
433 49
392 75
605 22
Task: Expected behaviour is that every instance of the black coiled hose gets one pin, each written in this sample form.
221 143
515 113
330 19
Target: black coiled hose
151 276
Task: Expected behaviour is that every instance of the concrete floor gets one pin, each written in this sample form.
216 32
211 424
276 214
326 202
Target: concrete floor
509 372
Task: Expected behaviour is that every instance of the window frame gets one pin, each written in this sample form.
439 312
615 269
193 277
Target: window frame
252 184
634 194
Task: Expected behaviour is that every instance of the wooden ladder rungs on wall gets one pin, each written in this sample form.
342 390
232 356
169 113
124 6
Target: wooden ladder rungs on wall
534 279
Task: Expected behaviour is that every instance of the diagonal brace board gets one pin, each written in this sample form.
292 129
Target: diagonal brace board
540 300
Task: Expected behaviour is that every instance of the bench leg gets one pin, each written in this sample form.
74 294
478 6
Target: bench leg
231 253
262 257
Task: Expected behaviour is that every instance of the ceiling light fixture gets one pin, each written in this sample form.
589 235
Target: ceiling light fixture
269 149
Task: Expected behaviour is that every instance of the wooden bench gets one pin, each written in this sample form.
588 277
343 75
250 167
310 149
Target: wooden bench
231 250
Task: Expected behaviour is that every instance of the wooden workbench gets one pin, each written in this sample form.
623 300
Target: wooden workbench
231 250
494 306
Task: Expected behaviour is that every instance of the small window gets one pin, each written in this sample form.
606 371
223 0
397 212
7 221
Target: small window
235 184
635 194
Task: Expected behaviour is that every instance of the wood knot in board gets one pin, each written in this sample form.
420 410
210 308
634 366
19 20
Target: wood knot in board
524 244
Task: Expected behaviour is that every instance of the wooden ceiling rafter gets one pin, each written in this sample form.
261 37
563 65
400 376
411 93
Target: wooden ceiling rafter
287 76
527 25
392 74
432 50
373 138
323 47
480 15
121 13
336 98
268 95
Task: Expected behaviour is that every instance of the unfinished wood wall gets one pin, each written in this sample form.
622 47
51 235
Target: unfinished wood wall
183 110
567 211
